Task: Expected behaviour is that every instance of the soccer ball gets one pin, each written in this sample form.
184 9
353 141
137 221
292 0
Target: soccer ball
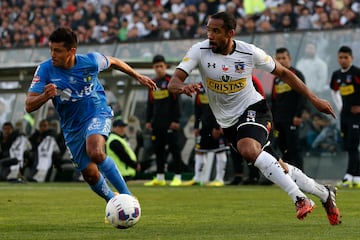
123 211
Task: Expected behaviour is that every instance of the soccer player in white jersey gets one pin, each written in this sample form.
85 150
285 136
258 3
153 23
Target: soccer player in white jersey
71 81
226 66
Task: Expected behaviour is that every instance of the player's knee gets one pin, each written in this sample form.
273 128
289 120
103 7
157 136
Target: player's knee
96 155
249 150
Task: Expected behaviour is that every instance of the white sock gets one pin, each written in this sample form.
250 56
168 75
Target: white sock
272 170
220 166
308 184
160 176
356 179
177 176
199 166
348 177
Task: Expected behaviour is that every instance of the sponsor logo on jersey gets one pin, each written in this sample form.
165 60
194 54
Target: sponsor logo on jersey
211 65
347 90
203 99
226 87
35 79
282 88
160 94
186 59
239 67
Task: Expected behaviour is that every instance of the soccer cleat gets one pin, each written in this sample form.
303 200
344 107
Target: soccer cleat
331 209
176 182
344 184
155 182
215 183
190 183
303 207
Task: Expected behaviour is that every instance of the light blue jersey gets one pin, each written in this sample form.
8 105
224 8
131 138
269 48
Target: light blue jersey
80 96
80 100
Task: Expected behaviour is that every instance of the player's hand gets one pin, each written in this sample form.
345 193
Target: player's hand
324 106
174 126
50 90
355 109
191 88
148 126
146 81
216 133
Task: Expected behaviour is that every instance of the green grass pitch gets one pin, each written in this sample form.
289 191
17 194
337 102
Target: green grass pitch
73 211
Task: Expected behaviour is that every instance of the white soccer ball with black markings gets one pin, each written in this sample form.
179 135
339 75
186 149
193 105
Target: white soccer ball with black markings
123 211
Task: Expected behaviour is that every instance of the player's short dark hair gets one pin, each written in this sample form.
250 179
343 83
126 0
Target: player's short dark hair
66 35
158 58
229 20
282 50
345 49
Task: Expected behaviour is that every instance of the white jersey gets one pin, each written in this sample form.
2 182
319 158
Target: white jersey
228 78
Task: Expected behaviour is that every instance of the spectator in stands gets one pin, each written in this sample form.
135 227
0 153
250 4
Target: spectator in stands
190 27
167 31
314 69
304 20
13 144
253 7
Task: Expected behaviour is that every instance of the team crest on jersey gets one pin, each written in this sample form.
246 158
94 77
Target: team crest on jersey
225 78
239 67
348 79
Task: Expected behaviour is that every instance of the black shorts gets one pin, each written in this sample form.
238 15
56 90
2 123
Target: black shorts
255 122
207 142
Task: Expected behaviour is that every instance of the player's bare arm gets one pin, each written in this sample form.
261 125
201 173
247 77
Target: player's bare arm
178 86
124 67
296 84
34 101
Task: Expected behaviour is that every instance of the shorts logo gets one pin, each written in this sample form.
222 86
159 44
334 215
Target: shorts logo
250 116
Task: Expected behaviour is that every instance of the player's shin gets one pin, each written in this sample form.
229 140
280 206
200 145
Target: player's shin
272 170
307 184
102 189
108 168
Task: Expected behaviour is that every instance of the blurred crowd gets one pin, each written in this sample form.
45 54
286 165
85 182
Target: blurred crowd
27 23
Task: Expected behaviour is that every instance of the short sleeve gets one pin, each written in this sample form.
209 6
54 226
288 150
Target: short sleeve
39 80
191 59
101 60
262 60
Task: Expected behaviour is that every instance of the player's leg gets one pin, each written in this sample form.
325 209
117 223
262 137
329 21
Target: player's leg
95 149
175 150
221 160
77 146
158 141
252 134
327 194
97 182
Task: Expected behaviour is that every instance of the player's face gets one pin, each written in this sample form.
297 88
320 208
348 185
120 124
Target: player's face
284 59
160 69
220 40
60 55
345 60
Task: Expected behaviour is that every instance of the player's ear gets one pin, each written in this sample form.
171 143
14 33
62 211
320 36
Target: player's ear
231 33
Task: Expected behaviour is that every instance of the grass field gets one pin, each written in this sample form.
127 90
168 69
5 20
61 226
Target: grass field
73 211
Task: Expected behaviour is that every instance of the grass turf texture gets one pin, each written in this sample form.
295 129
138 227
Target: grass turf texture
73 211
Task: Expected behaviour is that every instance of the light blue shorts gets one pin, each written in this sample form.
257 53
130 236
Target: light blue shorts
76 141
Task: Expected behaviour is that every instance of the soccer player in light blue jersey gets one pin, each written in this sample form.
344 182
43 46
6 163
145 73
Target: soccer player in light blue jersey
71 81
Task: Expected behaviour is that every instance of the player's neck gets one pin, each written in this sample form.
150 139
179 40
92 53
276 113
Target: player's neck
231 48
71 63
